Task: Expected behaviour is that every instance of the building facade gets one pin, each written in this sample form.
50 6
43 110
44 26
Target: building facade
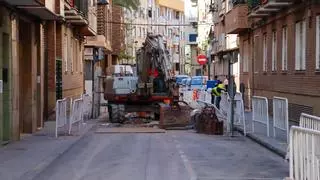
159 17
34 62
280 54
65 44
191 37
225 39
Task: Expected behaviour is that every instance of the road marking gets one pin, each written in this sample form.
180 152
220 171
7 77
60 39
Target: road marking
186 162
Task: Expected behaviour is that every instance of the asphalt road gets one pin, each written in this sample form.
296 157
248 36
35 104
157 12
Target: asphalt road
174 155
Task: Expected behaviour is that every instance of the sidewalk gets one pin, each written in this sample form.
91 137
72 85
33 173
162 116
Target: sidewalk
276 144
26 158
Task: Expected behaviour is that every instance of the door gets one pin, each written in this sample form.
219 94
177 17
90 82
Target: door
5 87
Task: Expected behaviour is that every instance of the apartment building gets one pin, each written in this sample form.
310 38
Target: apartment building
280 54
65 44
41 47
159 17
191 37
225 39
22 65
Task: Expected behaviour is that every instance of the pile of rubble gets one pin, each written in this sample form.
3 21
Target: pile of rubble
206 121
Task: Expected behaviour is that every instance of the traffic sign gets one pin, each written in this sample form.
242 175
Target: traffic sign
202 59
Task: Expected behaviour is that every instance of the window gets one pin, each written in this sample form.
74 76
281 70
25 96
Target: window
318 44
177 15
71 52
274 51
284 49
65 56
245 57
300 45
134 32
256 52
80 58
75 55
265 52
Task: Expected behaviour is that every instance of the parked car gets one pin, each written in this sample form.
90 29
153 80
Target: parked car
198 82
179 78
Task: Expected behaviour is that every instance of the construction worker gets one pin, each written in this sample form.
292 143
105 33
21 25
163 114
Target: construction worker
216 81
217 91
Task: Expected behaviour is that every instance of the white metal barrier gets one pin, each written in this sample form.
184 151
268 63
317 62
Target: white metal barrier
224 103
239 112
76 115
61 115
280 115
260 112
225 107
87 106
304 154
187 96
309 121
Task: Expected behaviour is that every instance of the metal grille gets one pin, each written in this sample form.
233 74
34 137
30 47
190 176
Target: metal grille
58 79
295 111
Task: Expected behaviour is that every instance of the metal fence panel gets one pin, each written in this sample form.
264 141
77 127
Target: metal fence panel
76 114
260 112
87 106
224 103
239 112
309 121
61 114
280 115
304 153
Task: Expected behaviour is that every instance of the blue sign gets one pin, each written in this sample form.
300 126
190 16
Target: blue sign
98 54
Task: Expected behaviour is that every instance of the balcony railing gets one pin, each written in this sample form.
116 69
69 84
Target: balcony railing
262 8
253 4
92 17
82 6
236 2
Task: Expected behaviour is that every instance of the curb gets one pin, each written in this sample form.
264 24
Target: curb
30 175
258 140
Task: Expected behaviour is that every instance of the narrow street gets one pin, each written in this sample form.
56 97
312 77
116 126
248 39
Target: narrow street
172 155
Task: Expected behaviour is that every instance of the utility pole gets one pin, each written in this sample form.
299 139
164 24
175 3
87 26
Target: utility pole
231 94
209 59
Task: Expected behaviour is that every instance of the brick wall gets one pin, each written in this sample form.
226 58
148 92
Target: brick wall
117 30
236 19
73 77
101 18
300 87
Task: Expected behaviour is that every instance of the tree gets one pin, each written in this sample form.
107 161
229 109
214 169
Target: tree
128 4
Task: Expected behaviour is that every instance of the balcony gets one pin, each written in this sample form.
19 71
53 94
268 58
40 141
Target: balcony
78 14
263 8
91 28
236 20
43 9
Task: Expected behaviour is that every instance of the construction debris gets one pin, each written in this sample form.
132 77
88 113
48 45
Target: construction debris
207 122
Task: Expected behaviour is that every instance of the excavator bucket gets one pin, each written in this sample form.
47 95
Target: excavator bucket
174 115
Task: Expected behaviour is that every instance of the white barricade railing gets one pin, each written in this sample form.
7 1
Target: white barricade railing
280 115
87 106
187 96
224 103
309 121
239 112
61 114
304 154
260 112
76 115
